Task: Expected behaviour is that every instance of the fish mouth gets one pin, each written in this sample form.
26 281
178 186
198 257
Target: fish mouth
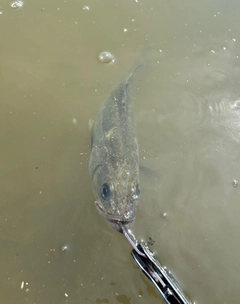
117 224
115 221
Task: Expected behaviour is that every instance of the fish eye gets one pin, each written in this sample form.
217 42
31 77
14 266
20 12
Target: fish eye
106 191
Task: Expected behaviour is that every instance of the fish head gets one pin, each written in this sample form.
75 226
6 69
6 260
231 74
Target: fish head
117 198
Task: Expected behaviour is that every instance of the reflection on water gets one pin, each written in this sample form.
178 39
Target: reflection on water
187 109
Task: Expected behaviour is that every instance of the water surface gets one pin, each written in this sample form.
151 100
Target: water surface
187 104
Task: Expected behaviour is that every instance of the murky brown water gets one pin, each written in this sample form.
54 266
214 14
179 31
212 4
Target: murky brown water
187 104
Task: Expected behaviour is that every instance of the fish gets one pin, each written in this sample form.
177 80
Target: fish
114 158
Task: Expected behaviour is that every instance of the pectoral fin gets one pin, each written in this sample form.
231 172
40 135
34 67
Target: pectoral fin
148 172
91 126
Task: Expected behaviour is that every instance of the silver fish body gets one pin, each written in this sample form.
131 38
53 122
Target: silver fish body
114 159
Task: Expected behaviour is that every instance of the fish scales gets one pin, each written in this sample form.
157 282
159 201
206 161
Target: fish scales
114 160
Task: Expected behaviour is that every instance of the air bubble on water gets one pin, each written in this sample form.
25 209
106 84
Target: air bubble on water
86 8
212 51
17 4
74 121
64 248
236 104
106 57
235 183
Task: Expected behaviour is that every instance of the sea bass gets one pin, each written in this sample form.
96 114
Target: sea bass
114 160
